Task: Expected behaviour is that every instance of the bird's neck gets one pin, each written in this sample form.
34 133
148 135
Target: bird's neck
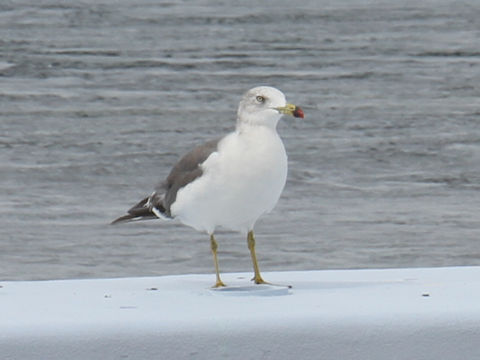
252 123
245 128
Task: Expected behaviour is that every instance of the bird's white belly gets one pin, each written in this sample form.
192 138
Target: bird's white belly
241 181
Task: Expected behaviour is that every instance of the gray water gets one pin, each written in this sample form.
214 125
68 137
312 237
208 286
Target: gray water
99 98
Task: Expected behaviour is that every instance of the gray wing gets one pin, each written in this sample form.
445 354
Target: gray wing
184 172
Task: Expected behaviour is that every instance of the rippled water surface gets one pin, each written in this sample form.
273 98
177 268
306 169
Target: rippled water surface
99 98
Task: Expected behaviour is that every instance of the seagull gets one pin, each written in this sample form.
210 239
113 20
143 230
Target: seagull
228 182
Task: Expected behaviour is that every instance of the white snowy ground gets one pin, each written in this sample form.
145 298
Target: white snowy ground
409 314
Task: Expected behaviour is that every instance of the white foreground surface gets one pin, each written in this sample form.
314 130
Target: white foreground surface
354 314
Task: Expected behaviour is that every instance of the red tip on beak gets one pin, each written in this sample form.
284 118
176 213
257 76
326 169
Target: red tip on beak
298 113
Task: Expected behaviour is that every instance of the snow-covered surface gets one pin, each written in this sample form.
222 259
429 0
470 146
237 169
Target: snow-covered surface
431 313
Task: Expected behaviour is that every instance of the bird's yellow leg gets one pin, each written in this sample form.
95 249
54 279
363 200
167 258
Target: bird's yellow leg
214 247
257 278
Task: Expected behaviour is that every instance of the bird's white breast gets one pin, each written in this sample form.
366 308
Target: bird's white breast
241 181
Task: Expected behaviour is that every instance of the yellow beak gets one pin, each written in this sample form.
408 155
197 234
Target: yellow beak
291 110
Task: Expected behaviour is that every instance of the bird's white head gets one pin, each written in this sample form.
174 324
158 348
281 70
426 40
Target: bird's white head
264 106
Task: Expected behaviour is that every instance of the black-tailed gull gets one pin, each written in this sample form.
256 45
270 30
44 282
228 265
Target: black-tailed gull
228 182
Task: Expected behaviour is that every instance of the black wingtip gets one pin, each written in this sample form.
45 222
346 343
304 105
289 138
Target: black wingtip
121 219
142 211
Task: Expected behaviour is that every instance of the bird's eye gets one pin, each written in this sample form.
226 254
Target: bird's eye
260 99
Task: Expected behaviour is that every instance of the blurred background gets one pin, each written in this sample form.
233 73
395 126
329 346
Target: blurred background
99 98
